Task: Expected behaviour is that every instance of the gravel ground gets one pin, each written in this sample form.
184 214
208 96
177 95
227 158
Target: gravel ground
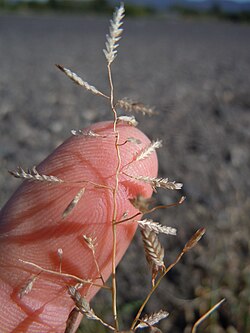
197 74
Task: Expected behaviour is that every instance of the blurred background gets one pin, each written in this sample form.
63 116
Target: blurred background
189 59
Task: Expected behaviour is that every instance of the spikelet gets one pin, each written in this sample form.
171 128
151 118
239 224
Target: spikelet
26 289
152 319
81 303
129 120
90 242
154 251
84 307
134 140
141 203
71 321
132 106
156 227
75 78
32 174
114 35
145 153
73 203
60 256
158 182
194 240
86 133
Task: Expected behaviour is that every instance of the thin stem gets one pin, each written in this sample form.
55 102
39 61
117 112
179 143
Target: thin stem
115 190
129 218
106 324
151 210
199 321
167 269
99 272
65 275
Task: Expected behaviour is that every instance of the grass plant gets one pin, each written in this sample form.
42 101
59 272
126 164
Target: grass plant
149 229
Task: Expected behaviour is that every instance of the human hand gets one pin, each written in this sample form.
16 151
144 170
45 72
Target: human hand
32 227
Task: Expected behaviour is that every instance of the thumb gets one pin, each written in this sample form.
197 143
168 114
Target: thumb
35 223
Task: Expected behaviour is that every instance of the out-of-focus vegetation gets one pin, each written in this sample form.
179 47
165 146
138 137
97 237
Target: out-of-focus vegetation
97 6
214 12
106 7
56 5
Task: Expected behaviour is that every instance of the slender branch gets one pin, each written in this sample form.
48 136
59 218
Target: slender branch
154 287
188 246
91 243
152 210
66 275
115 190
208 313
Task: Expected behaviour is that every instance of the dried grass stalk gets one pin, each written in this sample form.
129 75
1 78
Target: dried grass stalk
132 106
205 316
75 78
32 174
156 227
63 275
73 203
145 153
114 35
152 319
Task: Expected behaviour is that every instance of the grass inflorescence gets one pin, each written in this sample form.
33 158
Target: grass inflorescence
149 229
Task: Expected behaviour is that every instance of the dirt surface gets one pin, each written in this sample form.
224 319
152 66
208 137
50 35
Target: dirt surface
197 74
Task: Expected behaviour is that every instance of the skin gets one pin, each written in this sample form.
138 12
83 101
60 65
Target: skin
32 227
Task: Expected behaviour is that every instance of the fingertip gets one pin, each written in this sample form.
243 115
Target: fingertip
33 227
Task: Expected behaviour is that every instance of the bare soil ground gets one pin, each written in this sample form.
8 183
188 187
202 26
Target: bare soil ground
197 74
